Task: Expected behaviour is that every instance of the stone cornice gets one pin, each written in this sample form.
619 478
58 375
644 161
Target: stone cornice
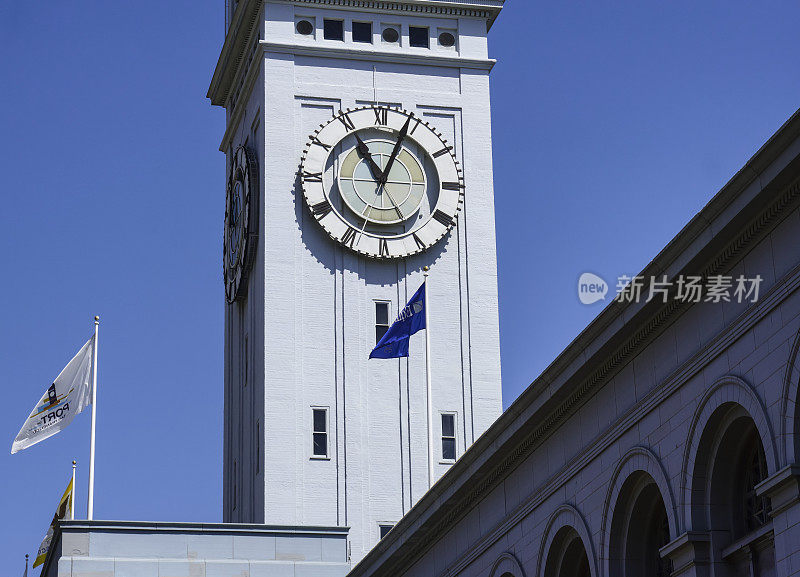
488 9
244 24
737 217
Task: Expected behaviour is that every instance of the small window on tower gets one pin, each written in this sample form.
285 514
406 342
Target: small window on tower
448 437
384 529
390 34
304 28
381 320
447 39
333 29
362 32
319 434
418 36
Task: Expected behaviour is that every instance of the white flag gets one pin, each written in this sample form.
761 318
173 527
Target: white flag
69 394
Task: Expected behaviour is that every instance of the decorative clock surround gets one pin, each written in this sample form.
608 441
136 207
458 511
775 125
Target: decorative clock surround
241 223
381 181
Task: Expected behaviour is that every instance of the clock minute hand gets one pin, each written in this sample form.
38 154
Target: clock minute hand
397 208
398 145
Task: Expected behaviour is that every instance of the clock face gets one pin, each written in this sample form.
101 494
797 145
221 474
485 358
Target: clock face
241 224
381 181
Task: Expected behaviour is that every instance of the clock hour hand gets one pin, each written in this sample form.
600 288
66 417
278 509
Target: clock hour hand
363 151
397 146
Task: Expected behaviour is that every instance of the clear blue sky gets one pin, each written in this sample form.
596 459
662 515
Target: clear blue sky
614 123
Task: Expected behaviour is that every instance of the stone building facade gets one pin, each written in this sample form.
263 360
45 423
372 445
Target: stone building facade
664 440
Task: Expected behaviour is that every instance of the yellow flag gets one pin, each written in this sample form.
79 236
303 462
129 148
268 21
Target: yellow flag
64 510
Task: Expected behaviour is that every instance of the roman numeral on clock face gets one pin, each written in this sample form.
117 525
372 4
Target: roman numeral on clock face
444 218
381 116
312 176
345 119
321 209
349 237
327 147
443 151
384 247
451 185
416 124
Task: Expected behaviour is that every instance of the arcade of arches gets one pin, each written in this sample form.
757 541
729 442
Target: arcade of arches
730 464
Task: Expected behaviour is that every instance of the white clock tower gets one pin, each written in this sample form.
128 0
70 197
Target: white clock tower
358 147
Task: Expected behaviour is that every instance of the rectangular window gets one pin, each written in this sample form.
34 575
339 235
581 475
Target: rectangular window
333 29
319 433
381 320
384 529
418 36
362 32
448 437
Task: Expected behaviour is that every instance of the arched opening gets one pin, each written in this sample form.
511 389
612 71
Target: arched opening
506 566
790 406
567 556
639 528
730 464
794 407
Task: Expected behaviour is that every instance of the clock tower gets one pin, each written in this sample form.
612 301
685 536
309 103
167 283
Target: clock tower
358 151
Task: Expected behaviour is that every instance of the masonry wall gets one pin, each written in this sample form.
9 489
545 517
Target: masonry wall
131 549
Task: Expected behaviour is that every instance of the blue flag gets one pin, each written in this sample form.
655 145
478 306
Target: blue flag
411 319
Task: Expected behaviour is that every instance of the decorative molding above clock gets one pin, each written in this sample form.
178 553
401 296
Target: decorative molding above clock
246 81
381 181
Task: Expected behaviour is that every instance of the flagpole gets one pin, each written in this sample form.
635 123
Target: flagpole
72 508
90 503
26 565
428 372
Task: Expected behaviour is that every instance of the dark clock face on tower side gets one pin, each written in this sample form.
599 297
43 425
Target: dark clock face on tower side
381 181
241 224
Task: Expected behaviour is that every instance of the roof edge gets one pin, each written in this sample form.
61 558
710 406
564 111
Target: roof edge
189 527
